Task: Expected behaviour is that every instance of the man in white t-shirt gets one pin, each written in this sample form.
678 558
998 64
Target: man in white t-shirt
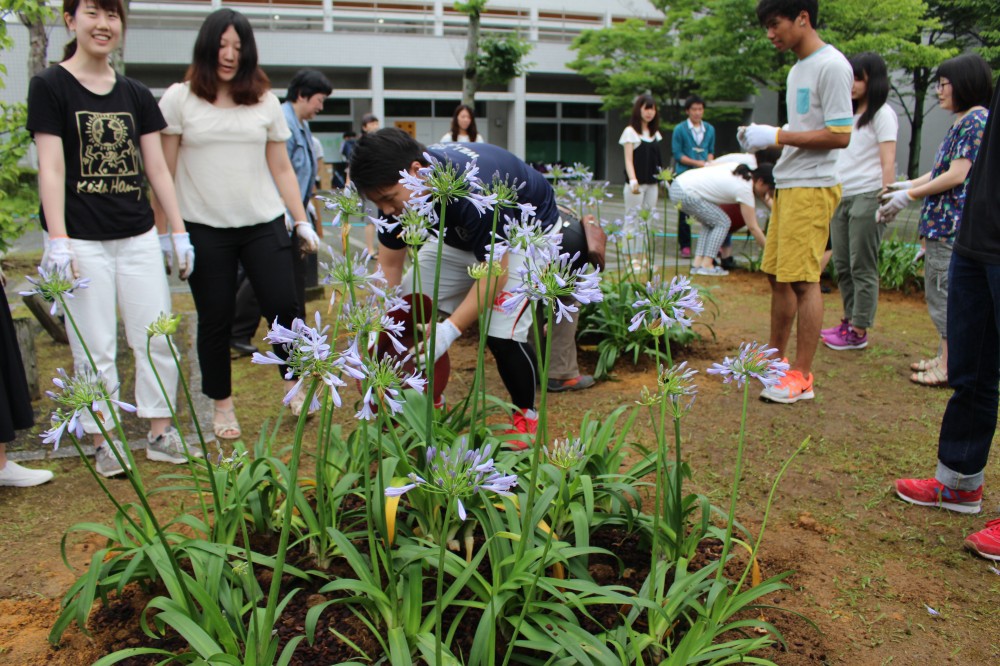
820 118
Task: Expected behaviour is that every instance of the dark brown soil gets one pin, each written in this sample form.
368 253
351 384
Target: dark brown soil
865 565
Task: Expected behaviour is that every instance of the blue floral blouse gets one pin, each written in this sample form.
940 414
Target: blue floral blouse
942 213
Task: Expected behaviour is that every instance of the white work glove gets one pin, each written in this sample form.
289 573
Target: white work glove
185 254
634 186
447 333
893 202
901 185
167 248
58 255
757 137
310 240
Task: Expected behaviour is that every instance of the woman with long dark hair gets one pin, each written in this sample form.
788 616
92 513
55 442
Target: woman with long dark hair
98 139
964 87
463 127
641 142
225 143
866 166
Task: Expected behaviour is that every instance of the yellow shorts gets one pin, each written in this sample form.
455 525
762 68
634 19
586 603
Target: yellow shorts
798 232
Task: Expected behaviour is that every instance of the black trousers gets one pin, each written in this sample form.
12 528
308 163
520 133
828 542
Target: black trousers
247 316
265 252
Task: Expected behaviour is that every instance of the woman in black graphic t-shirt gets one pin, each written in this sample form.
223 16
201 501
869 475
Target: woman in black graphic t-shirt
98 139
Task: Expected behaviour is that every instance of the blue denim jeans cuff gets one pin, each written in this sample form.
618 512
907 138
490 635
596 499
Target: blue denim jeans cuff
958 481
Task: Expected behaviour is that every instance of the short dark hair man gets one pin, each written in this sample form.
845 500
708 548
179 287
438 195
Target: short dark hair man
693 146
820 117
376 164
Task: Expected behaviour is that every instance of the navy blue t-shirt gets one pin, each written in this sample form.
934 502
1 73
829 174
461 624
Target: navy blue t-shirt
465 228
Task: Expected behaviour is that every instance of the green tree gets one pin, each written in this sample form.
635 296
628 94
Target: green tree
721 50
14 138
490 59
631 58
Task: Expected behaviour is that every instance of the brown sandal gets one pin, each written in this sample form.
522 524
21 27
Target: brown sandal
225 425
933 376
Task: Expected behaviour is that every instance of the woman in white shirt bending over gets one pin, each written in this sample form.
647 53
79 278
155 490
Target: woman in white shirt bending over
225 142
463 127
866 166
701 192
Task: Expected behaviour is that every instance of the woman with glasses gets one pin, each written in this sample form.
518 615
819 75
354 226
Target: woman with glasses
964 87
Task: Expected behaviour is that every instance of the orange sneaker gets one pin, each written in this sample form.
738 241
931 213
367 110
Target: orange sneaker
792 388
525 426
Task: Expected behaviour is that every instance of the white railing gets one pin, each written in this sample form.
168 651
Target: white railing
399 17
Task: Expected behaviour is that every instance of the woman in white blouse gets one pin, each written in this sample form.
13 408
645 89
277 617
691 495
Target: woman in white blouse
463 127
641 142
225 144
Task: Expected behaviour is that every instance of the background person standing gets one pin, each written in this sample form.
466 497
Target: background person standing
693 144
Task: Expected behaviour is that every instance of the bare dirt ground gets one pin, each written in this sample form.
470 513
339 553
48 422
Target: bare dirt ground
866 564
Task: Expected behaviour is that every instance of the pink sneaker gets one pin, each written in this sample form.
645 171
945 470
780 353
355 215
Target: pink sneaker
845 339
931 492
685 253
839 328
986 542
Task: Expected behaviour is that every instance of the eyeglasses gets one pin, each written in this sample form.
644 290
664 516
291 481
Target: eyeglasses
939 86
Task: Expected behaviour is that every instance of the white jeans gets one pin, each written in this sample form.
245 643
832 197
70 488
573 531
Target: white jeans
646 199
126 275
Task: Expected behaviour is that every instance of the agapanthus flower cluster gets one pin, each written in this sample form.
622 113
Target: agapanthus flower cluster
383 384
54 284
526 236
351 276
232 463
755 361
309 355
346 203
676 385
558 284
664 305
441 183
368 318
491 269
86 390
505 191
665 175
566 453
416 225
459 473
165 324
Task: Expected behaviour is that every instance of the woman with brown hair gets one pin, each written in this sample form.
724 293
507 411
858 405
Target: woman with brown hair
463 127
225 143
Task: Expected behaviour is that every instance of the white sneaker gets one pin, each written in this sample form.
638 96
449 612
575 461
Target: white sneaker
168 447
21 477
106 463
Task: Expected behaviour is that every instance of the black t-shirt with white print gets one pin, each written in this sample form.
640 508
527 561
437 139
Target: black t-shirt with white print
465 228
105 185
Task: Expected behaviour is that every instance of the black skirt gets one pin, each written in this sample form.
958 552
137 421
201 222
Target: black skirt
15 402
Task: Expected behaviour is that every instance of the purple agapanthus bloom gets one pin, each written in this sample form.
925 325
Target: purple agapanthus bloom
83 391
558 285
460 473
345 204
754 361
526 235
441 183
666 304
54 284
350 276
309 355
383 382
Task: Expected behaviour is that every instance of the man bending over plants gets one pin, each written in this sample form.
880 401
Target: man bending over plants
377 164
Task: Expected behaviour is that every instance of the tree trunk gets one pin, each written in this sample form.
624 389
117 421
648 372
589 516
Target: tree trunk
921 78
470 78
38 41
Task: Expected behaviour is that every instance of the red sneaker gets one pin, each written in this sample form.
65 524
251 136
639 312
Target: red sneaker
986 542
931 492
525 428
